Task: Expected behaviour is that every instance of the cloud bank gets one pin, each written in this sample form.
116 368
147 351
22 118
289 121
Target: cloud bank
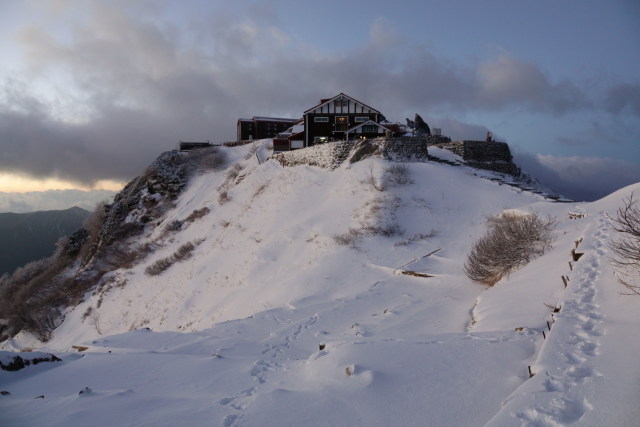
579 178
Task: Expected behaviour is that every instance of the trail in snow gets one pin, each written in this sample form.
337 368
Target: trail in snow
274 357
564 370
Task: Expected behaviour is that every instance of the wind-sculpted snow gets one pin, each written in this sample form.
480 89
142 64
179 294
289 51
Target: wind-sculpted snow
271 322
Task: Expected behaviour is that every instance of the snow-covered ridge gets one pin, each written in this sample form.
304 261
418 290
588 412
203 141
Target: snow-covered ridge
272 321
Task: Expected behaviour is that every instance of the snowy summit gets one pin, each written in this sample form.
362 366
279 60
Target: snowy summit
324 293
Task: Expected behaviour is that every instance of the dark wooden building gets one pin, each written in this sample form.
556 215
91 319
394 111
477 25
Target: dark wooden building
262 127
333 118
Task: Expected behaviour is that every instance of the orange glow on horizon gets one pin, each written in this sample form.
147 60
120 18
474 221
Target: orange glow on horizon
13 183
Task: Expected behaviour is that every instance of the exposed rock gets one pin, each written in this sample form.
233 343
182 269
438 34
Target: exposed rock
14 362
364 149
422 128
76 240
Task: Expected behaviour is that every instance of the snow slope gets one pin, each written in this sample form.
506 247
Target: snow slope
271 322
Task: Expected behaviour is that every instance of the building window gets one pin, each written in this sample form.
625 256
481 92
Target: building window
369 129
321 119
342 122
361 119
339 103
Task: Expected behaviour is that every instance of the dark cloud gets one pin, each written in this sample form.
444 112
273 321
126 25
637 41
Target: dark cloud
135 85
623 96
593 134
579 178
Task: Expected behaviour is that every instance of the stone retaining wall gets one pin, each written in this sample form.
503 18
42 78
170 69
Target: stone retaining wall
493 155
404 147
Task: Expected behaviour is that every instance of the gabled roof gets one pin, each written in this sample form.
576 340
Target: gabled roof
368 122
341 95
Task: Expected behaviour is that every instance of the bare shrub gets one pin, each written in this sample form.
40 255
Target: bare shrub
158 266
223 197
416 237
184 251
398 174
233 172
94 320
349 238
627 247
197 214
387 230
260 190
173 226
511 242
162 264
373 182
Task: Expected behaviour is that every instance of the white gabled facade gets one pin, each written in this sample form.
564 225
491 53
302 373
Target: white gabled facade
333 117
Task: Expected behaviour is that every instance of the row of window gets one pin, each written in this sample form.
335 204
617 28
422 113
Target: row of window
341 119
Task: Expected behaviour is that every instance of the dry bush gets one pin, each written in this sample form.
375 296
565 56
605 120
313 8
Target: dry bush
158 266
223 197
398 174
181 254
260 190
233 172
627 247
197 214
416 237
373 182
173 226
386 229
349 238
511 242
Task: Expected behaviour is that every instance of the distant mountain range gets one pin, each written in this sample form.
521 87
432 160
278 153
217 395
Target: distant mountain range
53 199
25 237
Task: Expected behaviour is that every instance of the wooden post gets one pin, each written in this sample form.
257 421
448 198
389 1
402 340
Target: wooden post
531 374
565 280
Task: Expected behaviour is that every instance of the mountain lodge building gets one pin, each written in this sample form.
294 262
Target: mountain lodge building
333 119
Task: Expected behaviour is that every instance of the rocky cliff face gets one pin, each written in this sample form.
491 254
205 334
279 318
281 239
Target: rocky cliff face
35 296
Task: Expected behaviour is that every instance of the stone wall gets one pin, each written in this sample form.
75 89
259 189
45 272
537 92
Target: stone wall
404 147
494 156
